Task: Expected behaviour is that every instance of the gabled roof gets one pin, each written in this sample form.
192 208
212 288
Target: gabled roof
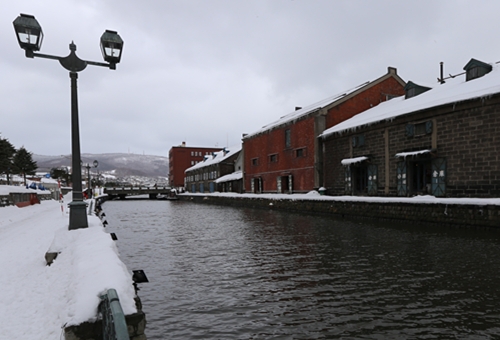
216 157
325 103
454 90
475 63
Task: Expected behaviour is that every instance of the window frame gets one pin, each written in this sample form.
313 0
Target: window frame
273 158
288 138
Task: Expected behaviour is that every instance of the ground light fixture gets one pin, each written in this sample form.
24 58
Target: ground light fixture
29 35
138 276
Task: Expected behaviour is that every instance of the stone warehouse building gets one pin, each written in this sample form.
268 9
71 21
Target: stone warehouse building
286 155
441 140
203 176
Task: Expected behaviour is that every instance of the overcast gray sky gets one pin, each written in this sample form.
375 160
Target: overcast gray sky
207 71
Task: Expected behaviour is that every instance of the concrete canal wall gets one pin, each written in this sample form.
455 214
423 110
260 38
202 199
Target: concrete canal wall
474 215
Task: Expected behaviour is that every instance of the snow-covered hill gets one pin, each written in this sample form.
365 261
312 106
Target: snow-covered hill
120 164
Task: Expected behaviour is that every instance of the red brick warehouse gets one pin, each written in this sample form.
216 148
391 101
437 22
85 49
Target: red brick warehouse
182 157
286 155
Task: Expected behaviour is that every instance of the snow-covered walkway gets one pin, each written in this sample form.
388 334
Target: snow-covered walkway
37 300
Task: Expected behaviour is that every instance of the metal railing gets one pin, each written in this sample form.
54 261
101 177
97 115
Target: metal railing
114 326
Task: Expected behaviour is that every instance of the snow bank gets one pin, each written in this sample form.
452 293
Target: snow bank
38 301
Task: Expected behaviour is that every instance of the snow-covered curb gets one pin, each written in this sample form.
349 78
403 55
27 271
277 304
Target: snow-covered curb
315 196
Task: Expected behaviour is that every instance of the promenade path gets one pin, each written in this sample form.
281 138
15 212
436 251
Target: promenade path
38 301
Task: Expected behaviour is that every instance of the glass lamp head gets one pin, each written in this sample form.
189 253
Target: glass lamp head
111 46
28 32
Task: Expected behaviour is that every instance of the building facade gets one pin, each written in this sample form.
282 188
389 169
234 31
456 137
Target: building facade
286 156
441 140
202 177
182 157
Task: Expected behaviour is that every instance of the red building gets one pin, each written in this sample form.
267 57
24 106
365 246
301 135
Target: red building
286 156
182 157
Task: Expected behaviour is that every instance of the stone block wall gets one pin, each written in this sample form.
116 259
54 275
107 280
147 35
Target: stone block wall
466 134
442 214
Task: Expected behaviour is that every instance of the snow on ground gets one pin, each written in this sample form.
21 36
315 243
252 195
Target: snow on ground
314 195
38 301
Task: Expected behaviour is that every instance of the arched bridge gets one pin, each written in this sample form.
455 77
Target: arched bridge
122 192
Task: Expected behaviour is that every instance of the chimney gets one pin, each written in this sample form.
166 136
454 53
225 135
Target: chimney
441 71
183 144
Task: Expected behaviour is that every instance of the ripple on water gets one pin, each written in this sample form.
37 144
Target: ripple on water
225 273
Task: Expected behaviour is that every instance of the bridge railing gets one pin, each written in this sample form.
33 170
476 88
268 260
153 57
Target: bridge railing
114 326
139 188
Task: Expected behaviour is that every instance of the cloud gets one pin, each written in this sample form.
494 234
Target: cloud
205 72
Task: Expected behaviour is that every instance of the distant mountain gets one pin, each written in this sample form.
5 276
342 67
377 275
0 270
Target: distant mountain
120 164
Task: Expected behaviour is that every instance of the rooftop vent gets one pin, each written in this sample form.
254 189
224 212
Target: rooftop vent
413 90
476 69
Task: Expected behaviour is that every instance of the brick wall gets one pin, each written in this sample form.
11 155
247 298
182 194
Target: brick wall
262 146
303 135
181 158
369 98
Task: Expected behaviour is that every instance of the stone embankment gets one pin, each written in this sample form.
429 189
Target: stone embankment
475 214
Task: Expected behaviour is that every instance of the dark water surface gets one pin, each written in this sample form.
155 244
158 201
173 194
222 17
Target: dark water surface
225 273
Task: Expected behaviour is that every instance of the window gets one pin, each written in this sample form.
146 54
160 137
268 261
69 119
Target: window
273 158
255 161
192 153
358 141
300 152
288 138
410 92
419 129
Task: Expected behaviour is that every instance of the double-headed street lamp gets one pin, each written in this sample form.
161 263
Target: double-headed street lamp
89 185
30 35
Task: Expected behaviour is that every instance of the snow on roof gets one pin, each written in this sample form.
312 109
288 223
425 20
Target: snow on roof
454 90
413 153
306 110
348 161
230 177
216 157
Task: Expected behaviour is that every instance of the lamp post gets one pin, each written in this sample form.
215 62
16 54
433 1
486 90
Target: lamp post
89 185
30 35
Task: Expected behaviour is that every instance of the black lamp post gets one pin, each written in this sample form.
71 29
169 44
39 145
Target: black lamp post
89 185
30 35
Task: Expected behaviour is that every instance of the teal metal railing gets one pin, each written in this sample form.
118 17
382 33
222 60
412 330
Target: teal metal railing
114 326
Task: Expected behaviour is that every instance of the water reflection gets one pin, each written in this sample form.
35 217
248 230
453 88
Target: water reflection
225 273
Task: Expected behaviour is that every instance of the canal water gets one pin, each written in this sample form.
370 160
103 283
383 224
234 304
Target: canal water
219 272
